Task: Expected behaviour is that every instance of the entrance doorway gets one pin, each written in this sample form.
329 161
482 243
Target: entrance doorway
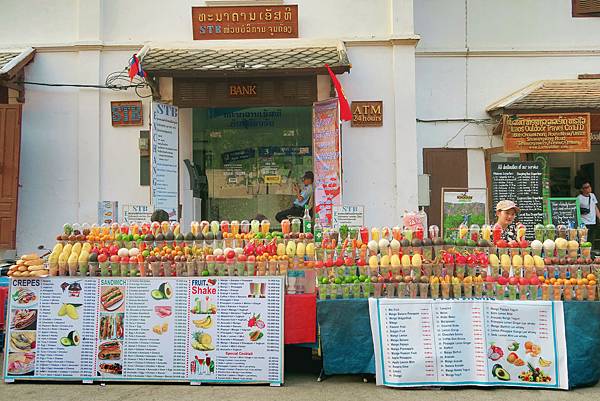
10 145
251 157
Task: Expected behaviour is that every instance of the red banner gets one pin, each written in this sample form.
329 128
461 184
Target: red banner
326 159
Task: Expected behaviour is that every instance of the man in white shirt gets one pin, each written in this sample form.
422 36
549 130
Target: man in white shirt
588 205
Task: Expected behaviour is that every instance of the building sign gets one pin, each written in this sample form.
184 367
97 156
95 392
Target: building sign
136 214
165 158
349 216
326 159
126 113
367 114
242 90
245 22
543 133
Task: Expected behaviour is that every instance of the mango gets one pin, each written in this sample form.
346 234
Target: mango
505 261
280 249
290 249
310 249
300 249
373 262
494 261
528 261
384 261
405 261
395 260
517 261
417 260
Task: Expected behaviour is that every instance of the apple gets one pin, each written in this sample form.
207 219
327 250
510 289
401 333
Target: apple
373 279
125 259
524 243
501 243
241 258
231 254
348 261
102 258
534 280
339 262
489 279
251 258
114 258
513 280
319 264
502 280
329 263
309 236
380 279
513 244
523 281
220 258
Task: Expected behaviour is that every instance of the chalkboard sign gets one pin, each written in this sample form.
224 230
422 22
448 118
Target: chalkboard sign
564 211
521 182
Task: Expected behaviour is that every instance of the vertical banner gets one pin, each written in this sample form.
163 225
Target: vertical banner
165 158
326 159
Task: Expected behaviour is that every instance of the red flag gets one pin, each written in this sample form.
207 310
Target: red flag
134 67
345 112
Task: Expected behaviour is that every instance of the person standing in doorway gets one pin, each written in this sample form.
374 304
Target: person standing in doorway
301 198
588 205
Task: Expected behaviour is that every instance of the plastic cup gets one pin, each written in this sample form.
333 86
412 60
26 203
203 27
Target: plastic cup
262 268
124 269
190 266
533 292
333 291
323 290
489 290
413 289
423 290
180 269
83 268
390 289
272 268
356 290
556 292
500 292
104 269
93 269
457 290
53 269
591 292
478 288
134 268
377 289
402 289
460 271
435 290
568 292
546 292
73 269
155 267
468 290
168 269
230 268
346 290
512 292
251 268
445 290
437 270
523 292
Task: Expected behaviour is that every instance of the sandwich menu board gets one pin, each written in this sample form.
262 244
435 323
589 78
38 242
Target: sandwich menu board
202 329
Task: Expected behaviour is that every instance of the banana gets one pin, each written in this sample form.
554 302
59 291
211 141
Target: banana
544 363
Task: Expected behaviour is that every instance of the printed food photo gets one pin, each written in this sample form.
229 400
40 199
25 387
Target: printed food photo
22 341
112 298
24 296
23 319
109 351
21 363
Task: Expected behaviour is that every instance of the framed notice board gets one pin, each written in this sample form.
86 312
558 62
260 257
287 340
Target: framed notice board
564 211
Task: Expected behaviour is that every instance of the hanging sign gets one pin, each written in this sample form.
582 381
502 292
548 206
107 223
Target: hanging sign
326 159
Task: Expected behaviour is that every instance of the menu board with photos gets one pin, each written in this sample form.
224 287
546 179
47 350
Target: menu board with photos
521 182
426 342
203 329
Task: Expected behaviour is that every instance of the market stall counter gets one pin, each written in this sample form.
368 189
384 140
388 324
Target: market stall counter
345 325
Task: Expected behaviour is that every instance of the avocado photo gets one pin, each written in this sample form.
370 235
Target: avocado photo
500 373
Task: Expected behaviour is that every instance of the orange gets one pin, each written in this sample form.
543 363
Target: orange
585 281
559 281
541 278
552 280
573 281
591 277
580 282
592 282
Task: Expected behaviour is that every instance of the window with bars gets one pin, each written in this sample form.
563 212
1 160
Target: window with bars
585 8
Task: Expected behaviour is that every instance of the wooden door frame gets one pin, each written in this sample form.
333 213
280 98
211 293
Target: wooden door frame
19 108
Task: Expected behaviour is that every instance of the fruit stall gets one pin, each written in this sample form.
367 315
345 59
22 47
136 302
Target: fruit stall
348 280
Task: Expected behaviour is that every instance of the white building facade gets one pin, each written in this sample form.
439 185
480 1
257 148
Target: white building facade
72 157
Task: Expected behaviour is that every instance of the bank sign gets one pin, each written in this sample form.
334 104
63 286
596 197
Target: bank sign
245 22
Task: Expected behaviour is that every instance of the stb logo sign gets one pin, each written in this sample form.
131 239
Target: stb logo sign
126 113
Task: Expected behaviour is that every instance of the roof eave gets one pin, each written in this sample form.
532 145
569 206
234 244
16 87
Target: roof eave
12 69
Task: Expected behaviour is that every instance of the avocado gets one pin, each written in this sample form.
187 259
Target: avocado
438 241
149 237
449 241
74 338
66 342
219 235
169 236
166 290
160 237
500 373
416 242
460 242
470 242
157 294
179 237
404 243
483 243
427 242
209 236
200 237
189 236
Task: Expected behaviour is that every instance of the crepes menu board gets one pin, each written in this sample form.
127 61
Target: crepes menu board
426 342
200 329
521 182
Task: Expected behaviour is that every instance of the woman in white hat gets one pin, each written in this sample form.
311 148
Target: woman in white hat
506 211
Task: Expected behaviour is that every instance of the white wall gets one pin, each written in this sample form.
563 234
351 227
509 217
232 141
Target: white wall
474 52
72 156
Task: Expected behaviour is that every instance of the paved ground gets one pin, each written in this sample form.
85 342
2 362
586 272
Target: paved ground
297 387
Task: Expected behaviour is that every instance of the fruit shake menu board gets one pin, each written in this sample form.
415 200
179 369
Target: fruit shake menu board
521 182
469 342
201 329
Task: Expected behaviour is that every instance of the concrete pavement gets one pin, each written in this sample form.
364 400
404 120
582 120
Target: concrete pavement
297 387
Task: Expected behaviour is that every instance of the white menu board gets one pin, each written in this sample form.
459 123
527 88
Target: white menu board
425 342
203 329
164 142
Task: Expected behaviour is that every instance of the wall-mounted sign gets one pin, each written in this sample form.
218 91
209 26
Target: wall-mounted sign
245 22
108 212
137 214
126 113
543 133
349 216
367 114
242 90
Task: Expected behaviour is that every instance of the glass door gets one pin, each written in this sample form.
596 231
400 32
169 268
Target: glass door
251 157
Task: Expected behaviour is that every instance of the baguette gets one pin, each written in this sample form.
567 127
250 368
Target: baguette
22 268
34 262
31 256
113 301
39 273
35 268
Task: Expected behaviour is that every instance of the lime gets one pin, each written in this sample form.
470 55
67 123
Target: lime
338 280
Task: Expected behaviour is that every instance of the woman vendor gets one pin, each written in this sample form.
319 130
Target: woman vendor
506 211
